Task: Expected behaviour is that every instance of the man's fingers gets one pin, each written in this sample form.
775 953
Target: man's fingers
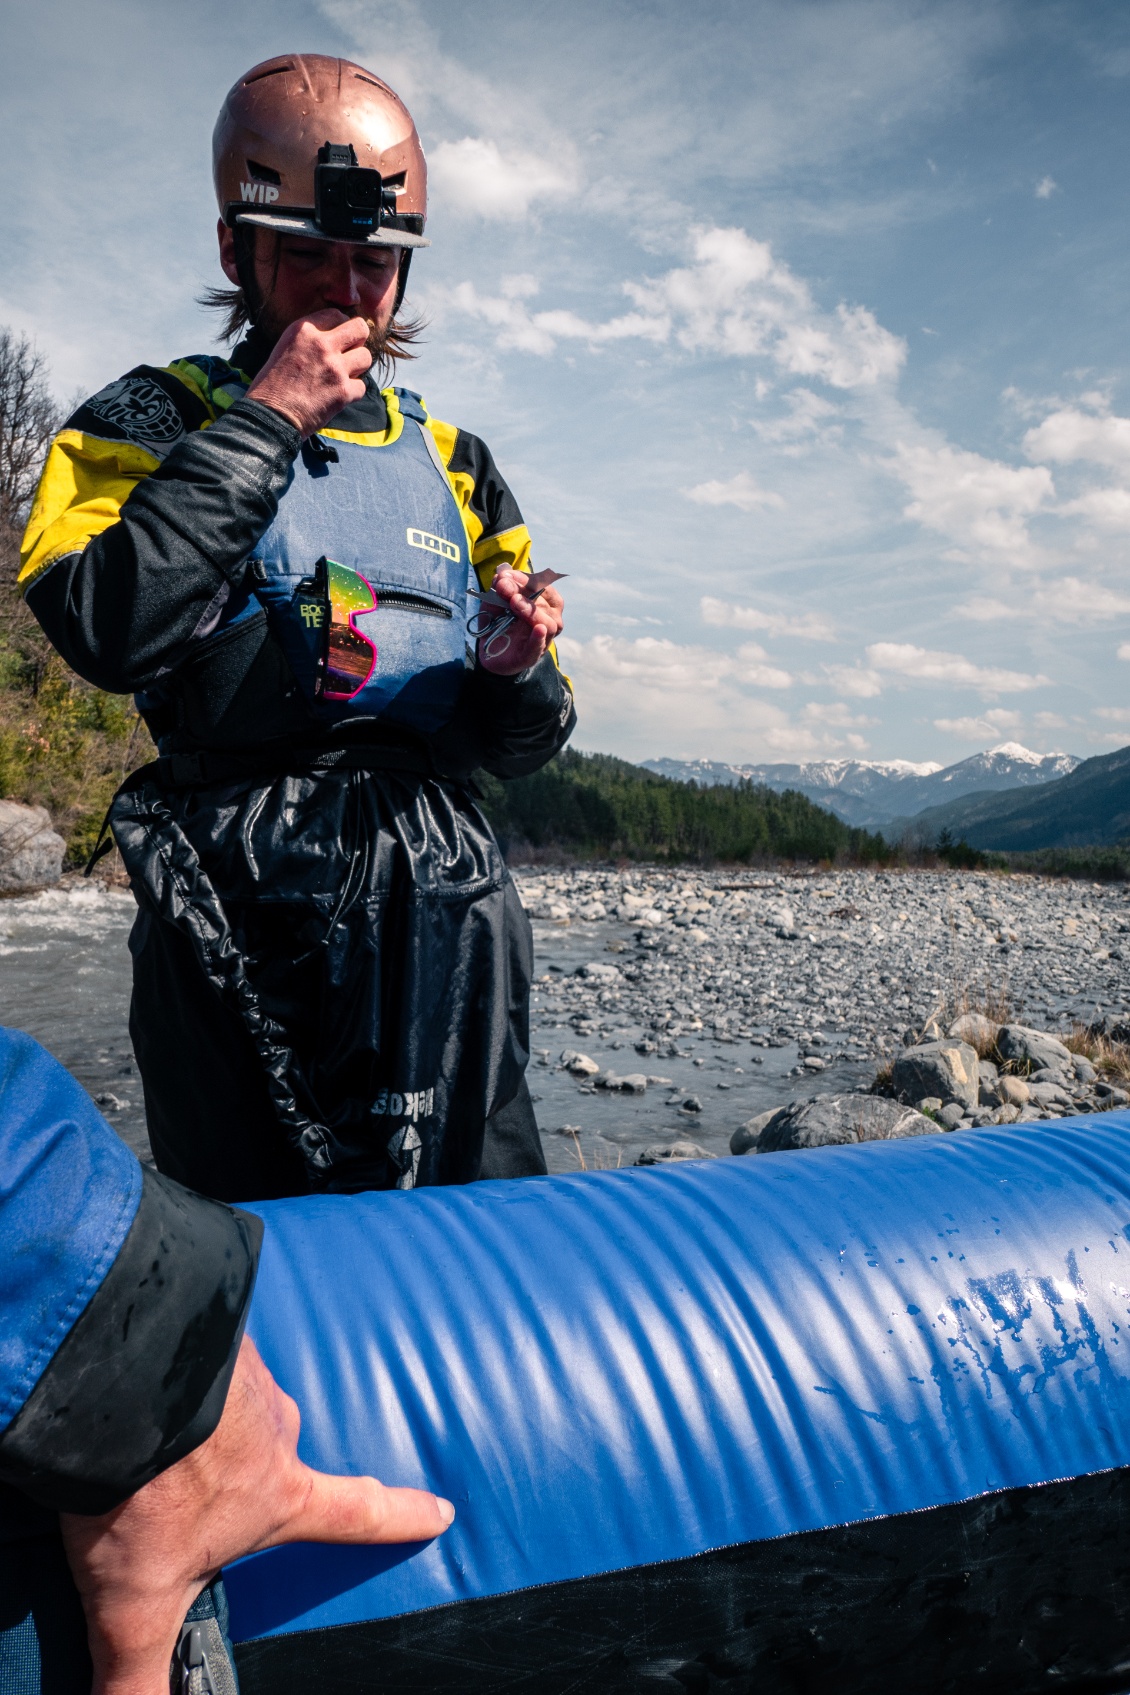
326 318
359 1509
357 361
350 332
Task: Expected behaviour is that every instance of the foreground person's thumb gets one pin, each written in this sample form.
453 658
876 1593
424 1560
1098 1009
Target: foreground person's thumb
359 1509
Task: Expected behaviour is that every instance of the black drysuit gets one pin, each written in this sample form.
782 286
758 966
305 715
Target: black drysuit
331 964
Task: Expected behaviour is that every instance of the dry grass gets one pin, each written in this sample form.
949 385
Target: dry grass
1110 1059
599 1162
989 1000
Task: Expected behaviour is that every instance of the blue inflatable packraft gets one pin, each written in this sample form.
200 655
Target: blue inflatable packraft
851 1420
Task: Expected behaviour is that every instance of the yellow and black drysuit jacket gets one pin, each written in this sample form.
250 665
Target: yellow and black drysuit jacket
331 965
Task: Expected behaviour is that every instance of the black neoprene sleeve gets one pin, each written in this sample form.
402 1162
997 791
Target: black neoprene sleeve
125 608
522 721
141 1378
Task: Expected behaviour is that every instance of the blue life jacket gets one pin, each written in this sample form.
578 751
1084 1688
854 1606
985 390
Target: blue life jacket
385 516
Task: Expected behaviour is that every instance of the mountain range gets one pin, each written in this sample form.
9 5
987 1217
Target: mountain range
886 795
1089 807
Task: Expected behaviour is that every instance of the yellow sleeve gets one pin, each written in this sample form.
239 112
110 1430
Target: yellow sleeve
489 553
85 483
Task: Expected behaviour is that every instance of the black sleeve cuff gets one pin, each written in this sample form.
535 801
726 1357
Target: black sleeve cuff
142 1377
530 717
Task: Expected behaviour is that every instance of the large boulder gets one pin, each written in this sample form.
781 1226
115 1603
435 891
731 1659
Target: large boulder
833 1119
747 1135
974 1028
662 1153
31 854
1018 1043
948 1068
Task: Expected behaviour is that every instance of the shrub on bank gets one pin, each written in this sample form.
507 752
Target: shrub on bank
63 744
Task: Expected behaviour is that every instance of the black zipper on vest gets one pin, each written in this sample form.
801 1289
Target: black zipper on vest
396 601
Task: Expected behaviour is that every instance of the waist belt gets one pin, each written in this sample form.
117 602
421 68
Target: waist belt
197 770
192 770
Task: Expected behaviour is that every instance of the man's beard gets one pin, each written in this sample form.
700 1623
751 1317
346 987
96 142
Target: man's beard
270 327
377 342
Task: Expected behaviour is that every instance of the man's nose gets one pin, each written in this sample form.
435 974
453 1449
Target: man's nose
341 290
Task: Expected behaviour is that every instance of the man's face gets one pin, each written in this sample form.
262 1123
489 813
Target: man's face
298 275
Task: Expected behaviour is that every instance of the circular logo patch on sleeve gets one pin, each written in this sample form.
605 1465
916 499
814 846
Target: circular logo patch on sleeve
142 411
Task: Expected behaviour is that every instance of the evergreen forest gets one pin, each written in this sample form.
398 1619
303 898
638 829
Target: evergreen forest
591 804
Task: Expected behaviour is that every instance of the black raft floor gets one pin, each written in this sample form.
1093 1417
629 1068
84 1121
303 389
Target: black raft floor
1009 1594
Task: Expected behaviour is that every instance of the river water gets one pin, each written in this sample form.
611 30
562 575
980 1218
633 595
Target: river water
65 979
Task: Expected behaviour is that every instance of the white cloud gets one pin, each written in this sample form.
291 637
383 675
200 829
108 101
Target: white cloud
735 299
986 728
1113 714
1066 600
1124 650
682 697
904 660
837 713
523 331
760 675
1069 434
475 179
606 587
726 614
854 680
740 491
1107 508
1049 721
808 418
981 504
984 610
1045 188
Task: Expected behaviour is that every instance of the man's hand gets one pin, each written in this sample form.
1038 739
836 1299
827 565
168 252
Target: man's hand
315 369
523 644
140 1567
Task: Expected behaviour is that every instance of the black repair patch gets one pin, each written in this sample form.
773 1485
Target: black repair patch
1010 1594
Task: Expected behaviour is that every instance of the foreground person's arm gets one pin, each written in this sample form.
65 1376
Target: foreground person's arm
127 1391
140 1567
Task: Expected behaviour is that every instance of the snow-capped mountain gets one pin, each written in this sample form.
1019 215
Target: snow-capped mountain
868 792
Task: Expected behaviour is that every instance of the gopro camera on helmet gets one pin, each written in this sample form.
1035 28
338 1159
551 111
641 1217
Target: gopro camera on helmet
348 197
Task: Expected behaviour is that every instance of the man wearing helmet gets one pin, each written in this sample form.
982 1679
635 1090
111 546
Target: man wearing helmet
331 965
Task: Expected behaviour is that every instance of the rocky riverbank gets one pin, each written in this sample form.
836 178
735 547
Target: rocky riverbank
691 1008
680 1006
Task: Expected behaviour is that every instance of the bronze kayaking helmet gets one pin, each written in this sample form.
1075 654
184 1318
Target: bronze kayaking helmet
314 146
300 143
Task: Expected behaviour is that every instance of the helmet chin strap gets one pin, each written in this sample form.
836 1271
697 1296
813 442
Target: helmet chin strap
402 280
245 239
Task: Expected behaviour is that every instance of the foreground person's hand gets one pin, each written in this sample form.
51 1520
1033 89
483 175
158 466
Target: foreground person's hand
539 622
315 368
140 1567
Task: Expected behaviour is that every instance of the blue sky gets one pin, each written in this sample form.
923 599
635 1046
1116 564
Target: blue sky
798 327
